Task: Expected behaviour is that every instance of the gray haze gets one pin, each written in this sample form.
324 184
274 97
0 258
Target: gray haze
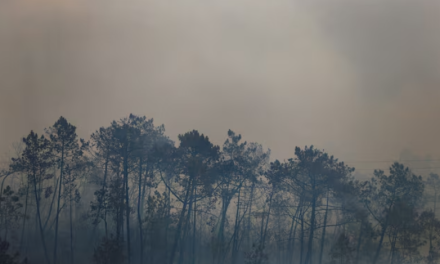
357 78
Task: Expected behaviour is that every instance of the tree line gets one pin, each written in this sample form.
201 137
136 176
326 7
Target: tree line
130 194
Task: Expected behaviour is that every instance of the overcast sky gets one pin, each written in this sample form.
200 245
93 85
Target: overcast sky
359 79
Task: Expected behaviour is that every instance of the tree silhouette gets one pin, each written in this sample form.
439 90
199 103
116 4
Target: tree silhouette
36 159
65 144
196 155
197 203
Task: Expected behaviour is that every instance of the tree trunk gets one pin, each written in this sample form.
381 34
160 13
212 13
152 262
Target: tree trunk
179 224
24 218
39 220
262 223
393 247
430 231
58 205
220 234
168 213
248 232
302 239
236 230
120 208
376 256
312 226
127 204
323 230
194 229
104 185
382 235
51 205
183 244
290 243
72 256
139 214
293 244
361 231
267 219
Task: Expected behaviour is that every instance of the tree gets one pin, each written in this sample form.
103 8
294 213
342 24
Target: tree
74 169
433 183
318 173
431 230
196 155
124 136
387 193
10 206
36 159
192 201
65 143
102 147
240 162
126 148
145 136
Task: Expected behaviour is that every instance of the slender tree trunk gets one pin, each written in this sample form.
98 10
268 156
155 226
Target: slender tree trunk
127 204
323 231
267 219
249 217
382 235
58 205
36 230
39 220
139 214
51 205
280 244
72 255
120 208
103 189
262 223
312 225
220 235
302 239
393 247
105 223
194 228
24 218
292 250
361 231
290 243
379 247
183 244
118 230
149 169
167 224
236 228
179 224
430 231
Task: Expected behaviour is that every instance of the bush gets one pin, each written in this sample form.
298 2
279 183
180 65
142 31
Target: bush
110 251
256 255
5 257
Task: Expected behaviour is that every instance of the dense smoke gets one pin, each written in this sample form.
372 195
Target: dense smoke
358 78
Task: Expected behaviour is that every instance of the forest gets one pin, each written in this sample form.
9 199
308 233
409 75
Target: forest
131 195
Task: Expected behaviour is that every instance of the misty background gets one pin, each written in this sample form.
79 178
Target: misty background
359 79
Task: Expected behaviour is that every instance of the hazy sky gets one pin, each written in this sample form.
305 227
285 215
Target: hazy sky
360 79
